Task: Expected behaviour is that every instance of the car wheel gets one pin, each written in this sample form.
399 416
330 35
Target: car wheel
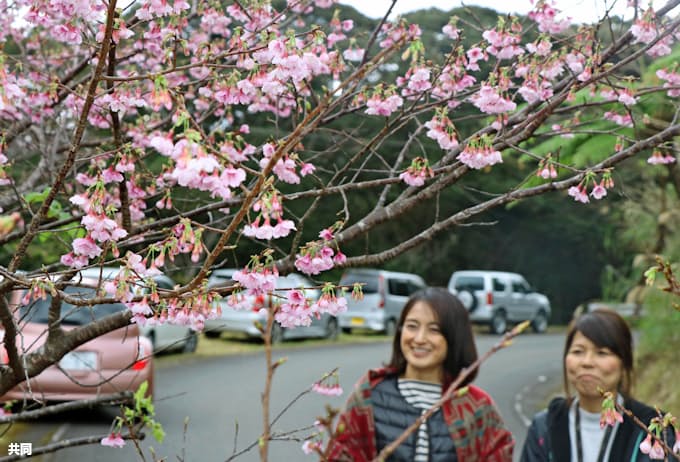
499 323
191 342
277 333
390 327
540 322
332 329
212 333
468 299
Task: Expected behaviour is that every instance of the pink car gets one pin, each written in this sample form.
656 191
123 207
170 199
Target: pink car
118 361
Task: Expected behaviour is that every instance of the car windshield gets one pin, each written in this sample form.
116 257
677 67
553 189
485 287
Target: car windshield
37 311
370 283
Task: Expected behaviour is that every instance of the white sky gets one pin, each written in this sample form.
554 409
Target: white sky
578 10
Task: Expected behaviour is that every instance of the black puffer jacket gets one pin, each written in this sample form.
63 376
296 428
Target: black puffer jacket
548 436
392 414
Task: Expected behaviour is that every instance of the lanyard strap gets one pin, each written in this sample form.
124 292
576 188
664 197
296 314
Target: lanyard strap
579 444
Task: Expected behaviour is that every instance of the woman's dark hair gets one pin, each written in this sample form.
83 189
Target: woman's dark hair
606 329
455 326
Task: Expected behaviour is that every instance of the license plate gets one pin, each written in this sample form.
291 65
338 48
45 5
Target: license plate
79 361
357 321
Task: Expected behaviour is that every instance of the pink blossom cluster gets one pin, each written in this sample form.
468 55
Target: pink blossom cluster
609 417
474 55
416 174
534 89
672 79
540 47
339 28
328 385
269 208
625 120
653 448
452 80
329 303
598 191
450 30
545 15
353 53
326 390
383 103
489 100
479 153
311 446
319 256
504 44
259 280
159 8
295 311
285 167
646 30
114 440
393 33
441 129
416 80
316 259
546 170
659 158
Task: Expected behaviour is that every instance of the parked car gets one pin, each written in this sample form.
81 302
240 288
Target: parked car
120 360
164 337
385 294
246 321
498 298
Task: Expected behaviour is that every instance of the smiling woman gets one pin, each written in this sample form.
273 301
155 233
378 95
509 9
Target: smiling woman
433 344
598 358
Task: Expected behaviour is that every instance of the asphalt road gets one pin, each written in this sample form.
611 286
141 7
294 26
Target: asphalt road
210 407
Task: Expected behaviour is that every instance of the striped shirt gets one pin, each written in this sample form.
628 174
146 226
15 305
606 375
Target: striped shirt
421 395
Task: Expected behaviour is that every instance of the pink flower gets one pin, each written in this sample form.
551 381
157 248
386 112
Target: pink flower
309 446
579 194
657 451
86 246
646 445
114 440
610 416
326 390
598 192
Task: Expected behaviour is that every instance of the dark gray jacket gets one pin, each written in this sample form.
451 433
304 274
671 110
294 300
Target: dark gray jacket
392 414
548 436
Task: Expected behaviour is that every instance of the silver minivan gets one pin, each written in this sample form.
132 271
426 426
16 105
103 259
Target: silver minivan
499 298
385 294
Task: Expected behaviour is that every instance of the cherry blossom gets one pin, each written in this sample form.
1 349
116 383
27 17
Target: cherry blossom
114 440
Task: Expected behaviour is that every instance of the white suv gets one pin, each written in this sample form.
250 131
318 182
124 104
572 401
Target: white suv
499 298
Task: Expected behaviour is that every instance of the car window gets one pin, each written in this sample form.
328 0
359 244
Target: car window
398 287
498 285
519 287
70 314
370 282
414 287
469 283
